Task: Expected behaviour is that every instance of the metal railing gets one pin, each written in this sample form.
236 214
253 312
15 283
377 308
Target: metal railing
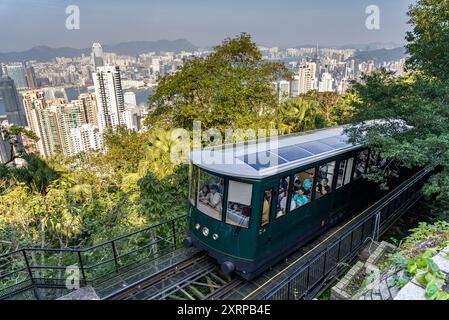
31 268
323 262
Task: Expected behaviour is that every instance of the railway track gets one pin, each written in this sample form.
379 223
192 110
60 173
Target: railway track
196 278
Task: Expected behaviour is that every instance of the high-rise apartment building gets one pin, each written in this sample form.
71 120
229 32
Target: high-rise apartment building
51 121
306 78
283 88
109 95
85 138
88 105
326 83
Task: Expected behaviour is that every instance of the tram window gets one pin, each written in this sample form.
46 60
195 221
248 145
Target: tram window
302 185
284 187
344 172
193 185
238 211
361 163
325 179
210 195
266 208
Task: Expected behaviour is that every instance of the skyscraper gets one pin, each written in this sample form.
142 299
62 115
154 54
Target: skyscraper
97 55
31 76
18 74
10 101
326 83
109 95
304 81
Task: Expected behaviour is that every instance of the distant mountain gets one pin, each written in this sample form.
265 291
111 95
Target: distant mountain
355 46
132 48
41 53
381 55
371 46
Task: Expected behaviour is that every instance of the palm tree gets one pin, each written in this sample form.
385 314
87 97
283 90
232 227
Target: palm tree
299 114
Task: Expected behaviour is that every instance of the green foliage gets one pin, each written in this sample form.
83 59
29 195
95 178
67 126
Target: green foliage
415 259
425 236
428 275
314 110
232 87
428 41
418 100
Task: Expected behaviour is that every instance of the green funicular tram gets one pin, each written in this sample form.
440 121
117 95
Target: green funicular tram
264 200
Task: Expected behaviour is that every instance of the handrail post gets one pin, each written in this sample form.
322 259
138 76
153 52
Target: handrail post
82 267
30 274
174 233
114 251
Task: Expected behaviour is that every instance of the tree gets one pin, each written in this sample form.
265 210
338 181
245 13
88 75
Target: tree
299 114
428 41
232 87
410 125
414 130
13 134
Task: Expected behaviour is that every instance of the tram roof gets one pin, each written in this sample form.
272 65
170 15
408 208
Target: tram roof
257 160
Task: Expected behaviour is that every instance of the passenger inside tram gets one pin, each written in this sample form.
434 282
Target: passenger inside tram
323 187
210 200
283 196
205 193
300 198
325 178
304 180
266 207
215 199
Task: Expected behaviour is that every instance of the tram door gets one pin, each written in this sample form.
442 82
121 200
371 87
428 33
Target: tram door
266 212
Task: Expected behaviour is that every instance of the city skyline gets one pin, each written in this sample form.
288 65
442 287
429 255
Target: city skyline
304 22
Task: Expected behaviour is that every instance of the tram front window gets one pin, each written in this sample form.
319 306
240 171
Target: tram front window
238 211
210 195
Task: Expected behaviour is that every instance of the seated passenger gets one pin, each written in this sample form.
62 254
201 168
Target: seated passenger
307 185
266 208
215 198
297 182
300 197
323 187
204 194
284 184
282 204
221 187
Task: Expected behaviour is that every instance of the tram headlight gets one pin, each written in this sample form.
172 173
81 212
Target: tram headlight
215 236
197 226
205 231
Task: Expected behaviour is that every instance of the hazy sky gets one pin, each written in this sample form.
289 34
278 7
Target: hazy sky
28 23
